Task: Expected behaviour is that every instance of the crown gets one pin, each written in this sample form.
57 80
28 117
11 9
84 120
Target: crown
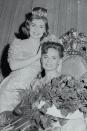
39 11
51 38
74 43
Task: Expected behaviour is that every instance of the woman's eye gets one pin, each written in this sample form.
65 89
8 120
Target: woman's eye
54 58
45 57
41 27
33 25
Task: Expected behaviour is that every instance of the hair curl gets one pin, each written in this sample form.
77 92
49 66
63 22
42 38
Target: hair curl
55 45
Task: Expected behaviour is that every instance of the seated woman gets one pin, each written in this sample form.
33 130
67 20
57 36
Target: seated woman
51 116
74 120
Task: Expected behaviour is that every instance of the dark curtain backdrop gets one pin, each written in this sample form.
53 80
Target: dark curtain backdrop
62 15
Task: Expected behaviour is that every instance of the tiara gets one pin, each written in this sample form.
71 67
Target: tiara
74 43
39 11
51 38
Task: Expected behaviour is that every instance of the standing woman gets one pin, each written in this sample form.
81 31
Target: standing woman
24 60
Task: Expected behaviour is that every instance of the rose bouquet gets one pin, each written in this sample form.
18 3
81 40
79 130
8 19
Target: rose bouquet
64 93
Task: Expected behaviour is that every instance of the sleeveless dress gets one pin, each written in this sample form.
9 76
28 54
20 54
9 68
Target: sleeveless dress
20 78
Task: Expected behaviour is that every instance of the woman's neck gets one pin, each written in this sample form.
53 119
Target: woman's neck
35 41
51 74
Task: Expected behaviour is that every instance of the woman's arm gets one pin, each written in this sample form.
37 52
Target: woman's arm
21 63
17 59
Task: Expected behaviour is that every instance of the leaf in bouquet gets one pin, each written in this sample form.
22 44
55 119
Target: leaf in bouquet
23 123
31 128
84 84
83 108
53 92
45 92
82 94
26 120
82 98
57 101
55 82
73 83
36 117
63 121
44 123
64 112
62 78
5 118
68 107
47 121
68 93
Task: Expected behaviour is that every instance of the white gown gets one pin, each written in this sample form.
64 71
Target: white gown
18 79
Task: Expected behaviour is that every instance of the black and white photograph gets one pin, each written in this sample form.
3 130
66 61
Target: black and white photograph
43 65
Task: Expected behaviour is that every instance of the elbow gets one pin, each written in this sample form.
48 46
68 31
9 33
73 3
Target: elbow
12 66
15 66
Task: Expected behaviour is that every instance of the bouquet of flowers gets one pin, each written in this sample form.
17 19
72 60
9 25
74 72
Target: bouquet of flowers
64 92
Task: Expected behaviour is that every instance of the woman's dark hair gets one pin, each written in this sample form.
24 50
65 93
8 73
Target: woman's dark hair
23 32
5 68
55 45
